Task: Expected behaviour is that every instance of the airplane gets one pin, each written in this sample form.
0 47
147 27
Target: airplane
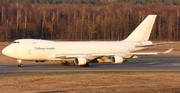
82 53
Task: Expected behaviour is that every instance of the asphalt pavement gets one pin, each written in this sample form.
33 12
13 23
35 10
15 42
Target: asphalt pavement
143 63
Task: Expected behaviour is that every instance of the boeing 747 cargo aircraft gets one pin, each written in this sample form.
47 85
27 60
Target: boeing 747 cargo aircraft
84 52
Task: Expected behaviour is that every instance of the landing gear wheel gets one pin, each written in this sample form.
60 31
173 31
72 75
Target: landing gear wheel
65 64
68 64
86 65
20 65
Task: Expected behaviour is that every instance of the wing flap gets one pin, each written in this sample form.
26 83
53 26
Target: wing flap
66 55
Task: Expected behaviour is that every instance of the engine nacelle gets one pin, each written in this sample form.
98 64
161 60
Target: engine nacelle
117 59
80 61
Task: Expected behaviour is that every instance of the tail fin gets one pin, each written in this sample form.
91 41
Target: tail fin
143 31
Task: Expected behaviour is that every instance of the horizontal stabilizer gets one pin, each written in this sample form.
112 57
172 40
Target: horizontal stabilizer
154 44
161 43
168 51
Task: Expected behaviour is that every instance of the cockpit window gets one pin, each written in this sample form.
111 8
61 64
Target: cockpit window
15 42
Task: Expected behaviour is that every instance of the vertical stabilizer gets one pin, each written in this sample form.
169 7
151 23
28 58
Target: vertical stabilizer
143 31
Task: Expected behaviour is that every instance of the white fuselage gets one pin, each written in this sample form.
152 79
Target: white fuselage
82 52
32 49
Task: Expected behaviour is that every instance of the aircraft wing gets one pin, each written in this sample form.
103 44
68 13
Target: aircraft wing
151 53
96 55
88 56
135 53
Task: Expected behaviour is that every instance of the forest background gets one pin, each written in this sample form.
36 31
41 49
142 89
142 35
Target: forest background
86 19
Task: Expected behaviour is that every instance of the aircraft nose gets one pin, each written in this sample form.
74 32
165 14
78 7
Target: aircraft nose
4 51
9 51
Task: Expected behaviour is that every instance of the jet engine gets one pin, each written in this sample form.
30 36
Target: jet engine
117 59
80 61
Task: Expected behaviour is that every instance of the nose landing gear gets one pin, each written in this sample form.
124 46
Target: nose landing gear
20 63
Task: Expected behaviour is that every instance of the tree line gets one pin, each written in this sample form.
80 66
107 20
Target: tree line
84 21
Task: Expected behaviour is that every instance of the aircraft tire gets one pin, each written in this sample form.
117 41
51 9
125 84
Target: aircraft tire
86 65
20 65
65 64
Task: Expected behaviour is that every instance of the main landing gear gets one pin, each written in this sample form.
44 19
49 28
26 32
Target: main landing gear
20 63
65 63
86 65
